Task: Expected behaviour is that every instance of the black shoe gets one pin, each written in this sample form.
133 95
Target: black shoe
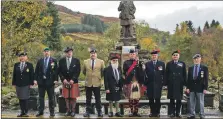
178 116
172 115
72 114
118 114
151 115
52 114
100 114
25 115
20 115
157 115
201 117
39 114
131 115
191 117
67 114
137 115
86 114
110 114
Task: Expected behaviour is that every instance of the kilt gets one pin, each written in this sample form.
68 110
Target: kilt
22 92
74 91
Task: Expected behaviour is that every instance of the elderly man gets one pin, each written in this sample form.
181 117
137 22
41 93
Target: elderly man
155 71
69 71
93 70
175 79
113 85
197 85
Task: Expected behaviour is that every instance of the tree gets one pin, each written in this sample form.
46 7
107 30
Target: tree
199 32
21 27
95 22
206 26
213 24
53 40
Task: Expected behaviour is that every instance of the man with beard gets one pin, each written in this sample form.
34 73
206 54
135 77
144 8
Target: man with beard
155 71
113 85
93 70
46 76
132 70
175 80
69 71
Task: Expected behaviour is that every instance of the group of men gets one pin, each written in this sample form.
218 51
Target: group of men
133 80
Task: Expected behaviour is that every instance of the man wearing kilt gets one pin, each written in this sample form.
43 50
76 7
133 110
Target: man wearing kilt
69 71
23 76
46 76
175 80
113 85
155 71
132 82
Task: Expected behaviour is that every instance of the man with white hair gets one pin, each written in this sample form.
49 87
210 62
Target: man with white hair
113 85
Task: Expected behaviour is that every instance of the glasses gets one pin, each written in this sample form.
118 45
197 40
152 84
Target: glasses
175 55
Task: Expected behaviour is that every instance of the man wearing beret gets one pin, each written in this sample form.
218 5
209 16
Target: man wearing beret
131 71
113 85
22 79
69 71
46 77
175 80
197 85
155 71
93 70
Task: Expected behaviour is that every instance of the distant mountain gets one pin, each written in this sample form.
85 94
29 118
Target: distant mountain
77 15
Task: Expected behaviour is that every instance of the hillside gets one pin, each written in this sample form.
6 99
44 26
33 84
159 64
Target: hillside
68 16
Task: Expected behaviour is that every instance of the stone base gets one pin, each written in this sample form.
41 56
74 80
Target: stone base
221 103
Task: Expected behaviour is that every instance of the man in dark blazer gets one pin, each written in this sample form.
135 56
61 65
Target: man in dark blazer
113 85
69 71
175 79
155 71
23 75
46 77
197 85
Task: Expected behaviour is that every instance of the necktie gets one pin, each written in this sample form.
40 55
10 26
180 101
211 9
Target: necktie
116 74
195 73
92 65
154 63
68 63
45 64
22 66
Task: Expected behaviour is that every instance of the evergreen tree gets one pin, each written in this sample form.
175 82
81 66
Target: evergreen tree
199 32
213 23
53 41
206 26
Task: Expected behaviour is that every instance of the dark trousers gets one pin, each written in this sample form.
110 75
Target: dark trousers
175 107
50 93
24 106
154 106
96 91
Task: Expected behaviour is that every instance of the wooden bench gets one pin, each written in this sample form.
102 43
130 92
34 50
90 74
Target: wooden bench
123 104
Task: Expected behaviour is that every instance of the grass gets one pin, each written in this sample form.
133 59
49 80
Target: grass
69 19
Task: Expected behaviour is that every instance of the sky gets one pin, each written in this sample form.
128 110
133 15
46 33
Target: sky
163 15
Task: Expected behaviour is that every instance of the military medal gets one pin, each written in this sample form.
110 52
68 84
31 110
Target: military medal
160 68
27 70
180 64
202 74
